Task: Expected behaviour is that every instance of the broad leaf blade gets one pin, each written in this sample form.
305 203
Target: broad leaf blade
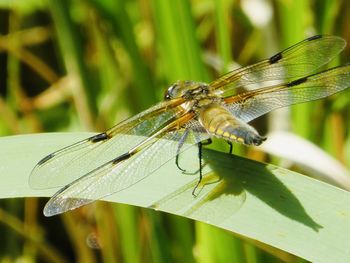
284 209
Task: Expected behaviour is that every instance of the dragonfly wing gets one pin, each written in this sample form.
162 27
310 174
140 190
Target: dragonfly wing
252 104
115 176
71 162
296 61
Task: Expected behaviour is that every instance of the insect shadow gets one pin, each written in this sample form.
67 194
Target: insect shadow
223 191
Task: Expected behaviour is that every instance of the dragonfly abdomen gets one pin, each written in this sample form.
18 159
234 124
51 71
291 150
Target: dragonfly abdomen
218 121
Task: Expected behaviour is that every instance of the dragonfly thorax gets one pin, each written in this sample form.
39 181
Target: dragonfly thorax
186 89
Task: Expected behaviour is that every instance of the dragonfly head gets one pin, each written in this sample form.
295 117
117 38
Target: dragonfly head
183 88
176 90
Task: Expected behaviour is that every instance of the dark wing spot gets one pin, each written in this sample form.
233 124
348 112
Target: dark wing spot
99 137
296 82
314 37
275 58
121 158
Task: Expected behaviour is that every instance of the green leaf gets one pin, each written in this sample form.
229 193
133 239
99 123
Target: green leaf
178 44
273 205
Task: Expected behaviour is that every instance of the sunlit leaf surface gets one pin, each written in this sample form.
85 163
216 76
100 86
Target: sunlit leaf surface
261 201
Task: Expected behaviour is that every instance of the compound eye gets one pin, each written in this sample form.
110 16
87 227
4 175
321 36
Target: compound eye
169 92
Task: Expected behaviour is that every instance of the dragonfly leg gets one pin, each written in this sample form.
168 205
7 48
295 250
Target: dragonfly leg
177 164
231 146
200 157
206 142
181 143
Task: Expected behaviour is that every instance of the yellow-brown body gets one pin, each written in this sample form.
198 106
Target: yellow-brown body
220 122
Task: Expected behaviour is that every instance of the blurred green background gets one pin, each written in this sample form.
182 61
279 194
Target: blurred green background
85 65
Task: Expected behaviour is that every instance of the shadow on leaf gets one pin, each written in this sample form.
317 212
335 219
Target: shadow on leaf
222 191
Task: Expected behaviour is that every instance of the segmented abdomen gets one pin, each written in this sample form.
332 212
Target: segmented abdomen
218 121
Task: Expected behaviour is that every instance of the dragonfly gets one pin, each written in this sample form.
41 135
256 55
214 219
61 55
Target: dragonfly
190 114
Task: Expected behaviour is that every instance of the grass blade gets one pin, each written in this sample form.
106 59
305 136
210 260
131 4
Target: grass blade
273 205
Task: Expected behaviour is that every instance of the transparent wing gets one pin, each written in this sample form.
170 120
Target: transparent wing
116 176
252 104
70 163
296 61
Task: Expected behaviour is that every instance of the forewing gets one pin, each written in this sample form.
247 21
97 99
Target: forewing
116 176
296 61
252 104
72 162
